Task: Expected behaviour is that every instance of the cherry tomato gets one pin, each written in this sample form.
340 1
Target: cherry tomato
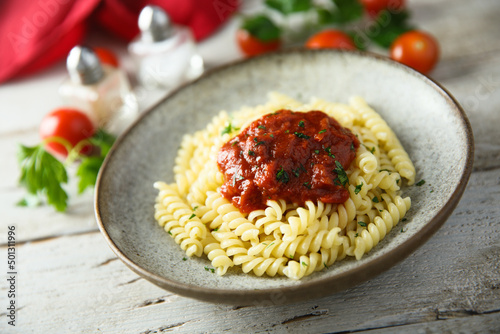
106 56
252 46
330 39
416 49
373 7
69 124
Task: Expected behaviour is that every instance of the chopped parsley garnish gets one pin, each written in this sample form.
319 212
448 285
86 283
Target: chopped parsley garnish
291 256
329 151
307 185
342 178
301 135
228 129
297 170
356 235
287 131
304 264
237 177
196 207
352 147
420 183
282 176
384 170
212 270
272 243
262 127
371 149
271 135
170 232
301 124
216 229
250 152
235 143
362 224
358 188
257 142
316 151
375 199
322 131
324 263
192 216
184 259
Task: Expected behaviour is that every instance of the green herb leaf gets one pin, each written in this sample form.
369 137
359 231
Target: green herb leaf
301 124
252 153
289 6
262 127
42 175
307 185
322 131
346 11
262 28
420 183
282 176
192 216
257 142
301 135
342 178
358 188
90 165
388 26
228 129
375 199
87 172
362 224
329 151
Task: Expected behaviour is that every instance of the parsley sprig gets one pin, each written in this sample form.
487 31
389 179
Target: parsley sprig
381 30
43 175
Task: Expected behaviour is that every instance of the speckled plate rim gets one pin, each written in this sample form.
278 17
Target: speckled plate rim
342 280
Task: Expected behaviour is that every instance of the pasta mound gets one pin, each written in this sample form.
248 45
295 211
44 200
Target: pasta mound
284 238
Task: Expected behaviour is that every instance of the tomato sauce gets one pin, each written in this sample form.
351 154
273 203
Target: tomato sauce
288 155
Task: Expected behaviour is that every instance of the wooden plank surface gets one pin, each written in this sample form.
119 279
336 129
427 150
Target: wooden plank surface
70 281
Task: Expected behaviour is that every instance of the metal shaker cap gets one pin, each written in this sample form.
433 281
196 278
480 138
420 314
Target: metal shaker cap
155 24
83 66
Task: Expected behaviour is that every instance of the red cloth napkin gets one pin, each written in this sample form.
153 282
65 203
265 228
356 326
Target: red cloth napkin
36 33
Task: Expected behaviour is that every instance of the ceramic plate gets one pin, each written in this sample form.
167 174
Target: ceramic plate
430 124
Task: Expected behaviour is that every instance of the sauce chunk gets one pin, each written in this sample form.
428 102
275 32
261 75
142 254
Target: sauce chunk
288 155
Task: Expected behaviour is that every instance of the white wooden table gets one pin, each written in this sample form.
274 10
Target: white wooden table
69 281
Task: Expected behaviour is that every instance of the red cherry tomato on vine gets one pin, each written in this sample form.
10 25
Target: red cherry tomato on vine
69 124
252 46
106 56
331 39
373 7
416 49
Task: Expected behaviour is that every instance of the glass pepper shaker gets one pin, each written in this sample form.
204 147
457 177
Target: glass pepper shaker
101 91
165 54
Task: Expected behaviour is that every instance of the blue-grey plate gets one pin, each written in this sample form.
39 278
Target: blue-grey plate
429 122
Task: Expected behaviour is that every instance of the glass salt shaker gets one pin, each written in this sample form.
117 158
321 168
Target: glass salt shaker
102 92
165 54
